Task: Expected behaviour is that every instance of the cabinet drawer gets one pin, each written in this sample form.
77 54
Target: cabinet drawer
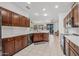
72 52
75 47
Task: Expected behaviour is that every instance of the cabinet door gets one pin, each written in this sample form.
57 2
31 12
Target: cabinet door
40 38
46 37
18 44
75 20
78 14
15 19
74 47
24 41
35 37
6 17
72 52
22 21
27 22
8 46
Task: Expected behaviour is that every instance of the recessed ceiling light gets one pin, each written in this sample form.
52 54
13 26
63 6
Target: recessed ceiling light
56 6
36 14
44 9
29 2
45 14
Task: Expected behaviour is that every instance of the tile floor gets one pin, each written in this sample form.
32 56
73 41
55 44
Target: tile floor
51 48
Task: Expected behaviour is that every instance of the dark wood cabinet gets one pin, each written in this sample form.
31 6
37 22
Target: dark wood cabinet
27 22
70 48
14 44
72 52
25 41
75 17
24 21
40 37
46 37
10 18
74 48
18 43
6 17
37 37
8 46
65 19
15 19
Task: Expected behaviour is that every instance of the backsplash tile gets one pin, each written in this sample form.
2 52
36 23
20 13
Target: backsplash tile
73 30
9 30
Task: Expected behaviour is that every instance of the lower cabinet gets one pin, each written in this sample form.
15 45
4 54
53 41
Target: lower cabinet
14 44
46 37
72 52
37 37
24 41
18 43
8 47
70 48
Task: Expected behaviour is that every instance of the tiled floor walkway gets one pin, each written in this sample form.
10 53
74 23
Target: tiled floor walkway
51 48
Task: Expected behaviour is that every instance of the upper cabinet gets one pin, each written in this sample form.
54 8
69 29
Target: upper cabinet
27 22
15 19
24 21
10 18
72 18
75 17
6 17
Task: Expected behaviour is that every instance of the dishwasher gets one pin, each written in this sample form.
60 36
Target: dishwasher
62 41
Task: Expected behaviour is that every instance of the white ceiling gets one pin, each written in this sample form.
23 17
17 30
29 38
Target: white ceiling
36 7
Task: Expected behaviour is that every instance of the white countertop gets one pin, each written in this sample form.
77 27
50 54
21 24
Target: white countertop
73 38
12 34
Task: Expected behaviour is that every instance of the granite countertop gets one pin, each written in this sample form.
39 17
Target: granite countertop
73 38
12 34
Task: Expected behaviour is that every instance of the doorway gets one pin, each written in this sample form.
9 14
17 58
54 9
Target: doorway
50 28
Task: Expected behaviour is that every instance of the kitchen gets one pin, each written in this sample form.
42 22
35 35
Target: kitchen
24 27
